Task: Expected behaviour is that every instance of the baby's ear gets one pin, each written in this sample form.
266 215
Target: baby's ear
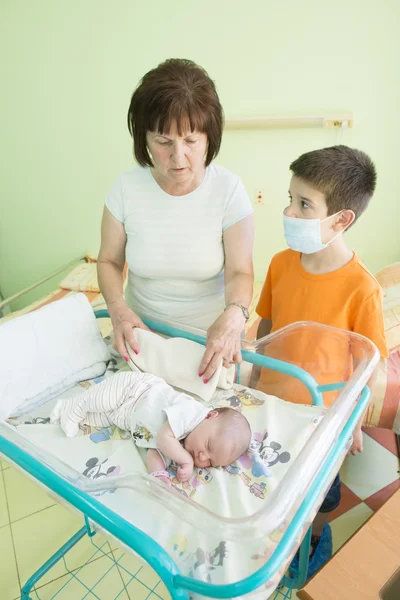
212 414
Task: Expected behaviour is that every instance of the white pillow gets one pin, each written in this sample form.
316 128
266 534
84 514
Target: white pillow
48 351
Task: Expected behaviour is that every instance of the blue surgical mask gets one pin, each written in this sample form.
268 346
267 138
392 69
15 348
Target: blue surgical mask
304 235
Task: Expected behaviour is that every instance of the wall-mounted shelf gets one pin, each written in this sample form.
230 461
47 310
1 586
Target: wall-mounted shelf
326 121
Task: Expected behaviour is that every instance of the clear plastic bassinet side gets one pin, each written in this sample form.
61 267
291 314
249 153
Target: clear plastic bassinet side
330 356
212 549
317 360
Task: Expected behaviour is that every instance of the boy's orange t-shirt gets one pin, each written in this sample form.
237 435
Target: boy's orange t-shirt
349 298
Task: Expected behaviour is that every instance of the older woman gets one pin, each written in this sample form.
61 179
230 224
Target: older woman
183 224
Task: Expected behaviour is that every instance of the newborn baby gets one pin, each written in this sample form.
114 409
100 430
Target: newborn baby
171 425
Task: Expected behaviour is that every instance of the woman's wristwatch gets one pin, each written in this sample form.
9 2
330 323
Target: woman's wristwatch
244 310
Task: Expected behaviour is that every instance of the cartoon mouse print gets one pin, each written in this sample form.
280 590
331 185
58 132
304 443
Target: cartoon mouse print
141 433
262 455
205 562
38 421
94 469
113 365
248 400
243 399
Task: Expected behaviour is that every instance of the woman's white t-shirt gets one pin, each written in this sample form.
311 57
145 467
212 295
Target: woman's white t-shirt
174 246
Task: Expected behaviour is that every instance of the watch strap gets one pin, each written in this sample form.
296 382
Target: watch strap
244 309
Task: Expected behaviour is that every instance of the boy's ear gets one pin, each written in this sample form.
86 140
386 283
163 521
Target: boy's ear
344 220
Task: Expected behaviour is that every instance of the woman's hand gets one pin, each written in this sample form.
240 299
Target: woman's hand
223 342
124 320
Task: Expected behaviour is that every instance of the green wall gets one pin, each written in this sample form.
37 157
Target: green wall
69 68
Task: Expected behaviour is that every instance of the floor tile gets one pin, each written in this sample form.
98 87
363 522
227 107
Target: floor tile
65 587
376 500
145 578
347 502
9 586
137 591
374 469
3 504
129 564
52 528
385 437
344 526
149 577
24 496
162 591
88 550
104 578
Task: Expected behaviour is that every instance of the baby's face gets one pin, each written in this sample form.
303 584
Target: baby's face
208 446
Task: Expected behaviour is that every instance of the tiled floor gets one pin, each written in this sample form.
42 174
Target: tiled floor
368 480
33 526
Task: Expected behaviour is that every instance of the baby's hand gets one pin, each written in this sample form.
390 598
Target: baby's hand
357 445
184 472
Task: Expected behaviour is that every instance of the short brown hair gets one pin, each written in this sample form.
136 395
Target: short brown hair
345 175
177 90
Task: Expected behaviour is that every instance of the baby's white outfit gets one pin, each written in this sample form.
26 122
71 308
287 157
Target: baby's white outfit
135 402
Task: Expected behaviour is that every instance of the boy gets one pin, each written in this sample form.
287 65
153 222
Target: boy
319 278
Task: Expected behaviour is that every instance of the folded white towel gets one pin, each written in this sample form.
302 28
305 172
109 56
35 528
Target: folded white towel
177 360
48 351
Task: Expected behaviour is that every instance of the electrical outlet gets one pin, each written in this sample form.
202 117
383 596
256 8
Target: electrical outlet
259 198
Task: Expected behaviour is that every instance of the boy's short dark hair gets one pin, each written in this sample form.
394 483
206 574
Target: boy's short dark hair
177 90
345 175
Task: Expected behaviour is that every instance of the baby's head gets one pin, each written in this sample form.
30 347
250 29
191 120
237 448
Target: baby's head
220 439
